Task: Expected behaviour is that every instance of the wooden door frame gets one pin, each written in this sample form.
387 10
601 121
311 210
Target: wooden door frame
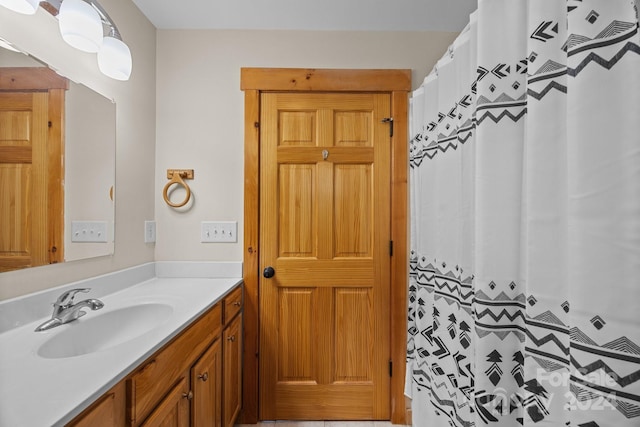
396 82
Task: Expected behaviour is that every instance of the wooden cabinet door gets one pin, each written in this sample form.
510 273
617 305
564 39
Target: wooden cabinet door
150 382
108 411
206 381
232 371
173 411
325 174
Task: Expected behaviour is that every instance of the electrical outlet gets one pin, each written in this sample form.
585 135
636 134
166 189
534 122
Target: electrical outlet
89 231
218 231
149 231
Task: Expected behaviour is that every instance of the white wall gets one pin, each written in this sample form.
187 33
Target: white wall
200 113
135 150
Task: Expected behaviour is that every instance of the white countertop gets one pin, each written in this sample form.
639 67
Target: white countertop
35 391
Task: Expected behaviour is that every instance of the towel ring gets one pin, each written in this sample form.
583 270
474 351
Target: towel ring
176 178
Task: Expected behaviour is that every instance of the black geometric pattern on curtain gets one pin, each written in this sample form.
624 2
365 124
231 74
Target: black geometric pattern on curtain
547 348
501 316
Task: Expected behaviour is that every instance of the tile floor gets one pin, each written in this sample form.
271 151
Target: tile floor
319 424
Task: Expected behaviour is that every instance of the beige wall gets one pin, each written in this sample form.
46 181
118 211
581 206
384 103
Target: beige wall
183 108
135 151
200 112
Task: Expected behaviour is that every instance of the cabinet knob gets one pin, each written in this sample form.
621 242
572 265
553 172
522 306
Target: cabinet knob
236 303
232 338
188 396
204 377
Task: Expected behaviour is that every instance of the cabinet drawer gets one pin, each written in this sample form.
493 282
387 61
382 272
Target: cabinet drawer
232 304
150 383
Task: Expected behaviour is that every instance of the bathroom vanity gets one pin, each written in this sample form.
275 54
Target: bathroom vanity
196 376
169 355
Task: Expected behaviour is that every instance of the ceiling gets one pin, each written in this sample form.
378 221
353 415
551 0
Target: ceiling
357 15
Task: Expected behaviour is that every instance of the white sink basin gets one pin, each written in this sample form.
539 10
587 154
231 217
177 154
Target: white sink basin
100 331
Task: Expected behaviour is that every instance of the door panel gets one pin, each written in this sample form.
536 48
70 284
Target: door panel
352 206
297 217
352 129
325 228
298 128
295 338
354 344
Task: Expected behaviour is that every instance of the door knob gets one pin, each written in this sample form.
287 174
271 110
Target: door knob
268 272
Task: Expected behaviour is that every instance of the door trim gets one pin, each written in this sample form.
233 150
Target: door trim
397 82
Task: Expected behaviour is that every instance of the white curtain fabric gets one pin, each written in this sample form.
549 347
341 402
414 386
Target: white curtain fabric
524 293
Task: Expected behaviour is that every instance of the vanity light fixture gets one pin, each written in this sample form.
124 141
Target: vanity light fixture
85 25
26 7
80 25
114 57
88 19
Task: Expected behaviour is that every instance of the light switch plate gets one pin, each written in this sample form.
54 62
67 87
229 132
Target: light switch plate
218 231
89 231
149 231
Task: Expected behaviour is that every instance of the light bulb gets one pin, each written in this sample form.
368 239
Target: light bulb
80 25
26 7
114 59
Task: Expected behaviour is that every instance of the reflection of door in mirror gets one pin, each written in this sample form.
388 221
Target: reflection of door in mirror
31 167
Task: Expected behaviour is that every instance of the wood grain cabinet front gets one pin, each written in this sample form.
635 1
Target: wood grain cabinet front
206 383
185 383
150 383
108 411
232 373
232 305
173 410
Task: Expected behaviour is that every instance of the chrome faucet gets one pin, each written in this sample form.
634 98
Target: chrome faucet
65 311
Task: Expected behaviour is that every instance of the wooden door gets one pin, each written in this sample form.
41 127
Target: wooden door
325 230
23 174
232 372
207 388
31 167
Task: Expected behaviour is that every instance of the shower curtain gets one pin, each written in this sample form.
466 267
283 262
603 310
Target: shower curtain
524 293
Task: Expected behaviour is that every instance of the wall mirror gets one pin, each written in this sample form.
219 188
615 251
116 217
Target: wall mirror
57 166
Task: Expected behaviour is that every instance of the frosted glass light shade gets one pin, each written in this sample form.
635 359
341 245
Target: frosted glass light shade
26 7
80 25
114 59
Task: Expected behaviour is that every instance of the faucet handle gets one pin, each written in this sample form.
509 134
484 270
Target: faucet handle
67 297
